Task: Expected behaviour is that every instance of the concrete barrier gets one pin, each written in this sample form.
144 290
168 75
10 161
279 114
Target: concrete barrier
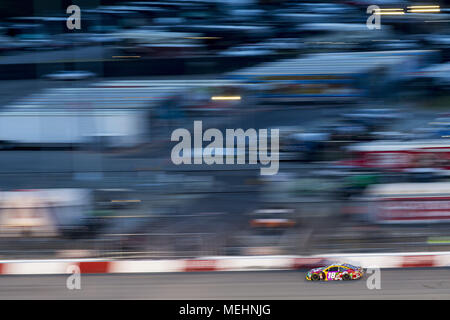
227 263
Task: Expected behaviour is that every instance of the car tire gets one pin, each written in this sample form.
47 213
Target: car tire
315 277
346 277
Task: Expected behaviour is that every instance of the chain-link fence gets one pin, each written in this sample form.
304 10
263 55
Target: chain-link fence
318 227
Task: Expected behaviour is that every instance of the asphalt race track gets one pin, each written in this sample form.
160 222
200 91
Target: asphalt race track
395 284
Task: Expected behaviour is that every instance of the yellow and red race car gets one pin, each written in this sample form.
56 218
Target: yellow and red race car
335 272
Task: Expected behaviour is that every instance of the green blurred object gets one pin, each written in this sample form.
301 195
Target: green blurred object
360 181
102 213
438 240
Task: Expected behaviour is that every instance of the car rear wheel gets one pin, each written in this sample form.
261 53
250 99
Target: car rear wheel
315 277
346 277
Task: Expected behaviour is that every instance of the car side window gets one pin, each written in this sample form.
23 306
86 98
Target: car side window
333 269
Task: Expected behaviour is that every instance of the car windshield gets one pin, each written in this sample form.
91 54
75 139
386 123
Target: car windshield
349 266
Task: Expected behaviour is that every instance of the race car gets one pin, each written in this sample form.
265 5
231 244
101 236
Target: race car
335 272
